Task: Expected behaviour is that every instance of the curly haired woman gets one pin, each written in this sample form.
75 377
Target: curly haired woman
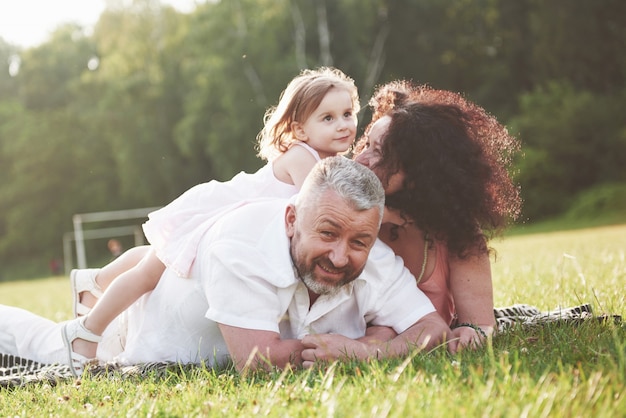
444 163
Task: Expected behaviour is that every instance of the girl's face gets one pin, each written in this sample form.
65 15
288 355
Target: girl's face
372 155
331 128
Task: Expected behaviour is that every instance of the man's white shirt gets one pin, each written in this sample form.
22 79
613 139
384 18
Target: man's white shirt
243 276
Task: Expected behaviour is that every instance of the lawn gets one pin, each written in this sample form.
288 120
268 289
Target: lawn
562 370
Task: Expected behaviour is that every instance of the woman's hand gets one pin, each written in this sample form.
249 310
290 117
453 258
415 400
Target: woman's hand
467 337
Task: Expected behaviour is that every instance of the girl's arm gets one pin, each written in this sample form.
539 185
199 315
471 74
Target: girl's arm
293 166
472 290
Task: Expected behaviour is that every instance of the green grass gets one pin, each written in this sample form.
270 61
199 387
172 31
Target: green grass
569 222
549 371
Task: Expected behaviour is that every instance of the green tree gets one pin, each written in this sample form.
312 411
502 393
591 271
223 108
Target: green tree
9 63
49 74
141 101
579 41
155 101
49 168
573 141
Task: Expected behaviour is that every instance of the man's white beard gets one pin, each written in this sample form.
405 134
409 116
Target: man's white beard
317 287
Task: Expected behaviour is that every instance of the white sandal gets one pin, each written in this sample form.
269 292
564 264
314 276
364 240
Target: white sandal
72 330
83 280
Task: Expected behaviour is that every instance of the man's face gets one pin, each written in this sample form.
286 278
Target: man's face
330 242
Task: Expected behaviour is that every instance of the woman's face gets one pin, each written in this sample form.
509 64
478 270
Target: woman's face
372 154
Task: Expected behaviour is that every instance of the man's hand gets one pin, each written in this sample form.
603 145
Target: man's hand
254 349
376 334
427 333
330 347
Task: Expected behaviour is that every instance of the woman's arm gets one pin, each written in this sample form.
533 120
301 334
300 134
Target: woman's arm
472 290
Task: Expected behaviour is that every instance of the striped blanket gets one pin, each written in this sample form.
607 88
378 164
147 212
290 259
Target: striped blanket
17 372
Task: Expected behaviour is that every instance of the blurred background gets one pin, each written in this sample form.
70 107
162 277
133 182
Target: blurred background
152 100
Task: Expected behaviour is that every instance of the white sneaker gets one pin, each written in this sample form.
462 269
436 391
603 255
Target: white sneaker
83 280
72 330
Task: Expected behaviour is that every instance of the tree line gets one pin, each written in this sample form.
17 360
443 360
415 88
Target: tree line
153 101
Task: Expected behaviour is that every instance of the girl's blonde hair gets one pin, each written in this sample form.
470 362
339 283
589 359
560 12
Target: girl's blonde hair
297 102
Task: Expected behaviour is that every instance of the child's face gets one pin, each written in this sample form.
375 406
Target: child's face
331 128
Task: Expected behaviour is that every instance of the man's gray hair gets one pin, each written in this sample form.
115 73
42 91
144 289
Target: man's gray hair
353 182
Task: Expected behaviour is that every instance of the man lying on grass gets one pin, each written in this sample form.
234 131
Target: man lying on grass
275 283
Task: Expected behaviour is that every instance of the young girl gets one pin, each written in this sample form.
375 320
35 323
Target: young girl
315 118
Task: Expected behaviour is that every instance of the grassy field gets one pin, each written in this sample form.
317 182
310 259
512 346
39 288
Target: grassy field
548 371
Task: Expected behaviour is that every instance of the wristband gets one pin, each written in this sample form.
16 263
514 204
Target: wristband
472 326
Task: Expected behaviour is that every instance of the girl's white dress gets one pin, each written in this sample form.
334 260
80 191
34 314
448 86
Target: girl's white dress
175 230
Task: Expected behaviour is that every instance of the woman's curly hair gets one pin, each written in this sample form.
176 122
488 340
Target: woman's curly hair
455 157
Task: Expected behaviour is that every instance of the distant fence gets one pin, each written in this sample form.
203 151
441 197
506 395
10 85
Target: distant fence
79 235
